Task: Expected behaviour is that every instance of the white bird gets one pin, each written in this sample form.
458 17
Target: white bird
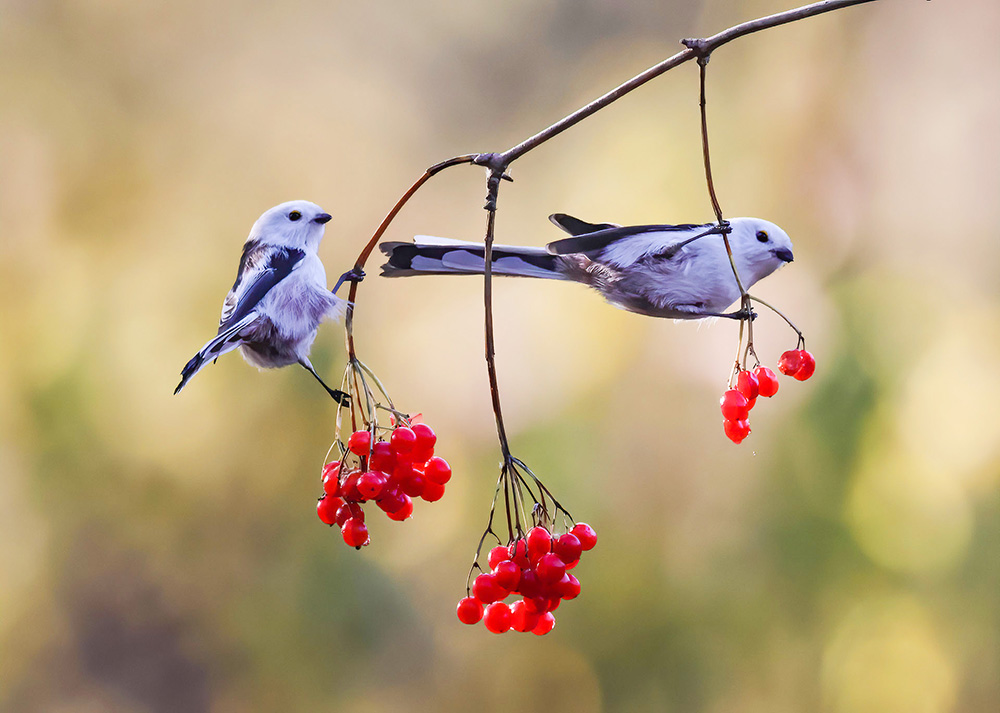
674 271
280 295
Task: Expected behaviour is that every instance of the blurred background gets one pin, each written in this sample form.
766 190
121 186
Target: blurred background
163 554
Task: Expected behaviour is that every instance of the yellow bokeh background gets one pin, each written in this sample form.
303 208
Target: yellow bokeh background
160 553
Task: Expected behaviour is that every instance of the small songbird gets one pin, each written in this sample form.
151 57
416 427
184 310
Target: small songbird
280 295
674 271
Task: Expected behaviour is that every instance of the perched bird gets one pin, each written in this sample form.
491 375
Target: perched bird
675 271
280 295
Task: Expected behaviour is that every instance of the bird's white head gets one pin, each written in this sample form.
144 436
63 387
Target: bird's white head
759 248
295 224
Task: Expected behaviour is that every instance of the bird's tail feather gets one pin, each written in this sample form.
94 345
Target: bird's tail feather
220 344
442 256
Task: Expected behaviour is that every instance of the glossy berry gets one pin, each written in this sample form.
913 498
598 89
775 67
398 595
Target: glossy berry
349 510
426 438
383 457
432 492
586 534
327 508
437 470
355 532
486 589
767 382
360 443
331 482
370 484
497 618
735 406
736 431
521 618
550 569
748 385
470 610
518 552
403 512
807 365
507 575
568 587
391 499
545 624
403 439
568 547
497 555
539 543
789 362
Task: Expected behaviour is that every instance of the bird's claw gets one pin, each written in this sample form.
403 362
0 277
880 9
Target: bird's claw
355 274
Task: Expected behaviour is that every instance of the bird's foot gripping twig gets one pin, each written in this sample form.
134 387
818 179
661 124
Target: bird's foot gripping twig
355 274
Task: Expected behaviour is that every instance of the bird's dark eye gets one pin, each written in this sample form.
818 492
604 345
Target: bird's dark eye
295 215
762 236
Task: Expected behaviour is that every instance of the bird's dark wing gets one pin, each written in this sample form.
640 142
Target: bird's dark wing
596 241
261 268
575 226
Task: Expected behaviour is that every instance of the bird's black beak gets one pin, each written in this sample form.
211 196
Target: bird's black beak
783 254
322 218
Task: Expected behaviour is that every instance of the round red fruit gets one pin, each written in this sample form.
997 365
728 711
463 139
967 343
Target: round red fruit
807 365
432 492
521 619
470 610
507 575
497 555
766 380
736 431
370 484
403 439
360 443
426 438
497 618
486 589
355 532
437 470
412 484
539 543
348 511
331 483
391 499
550 568
518 552
748 385
545 624
403 512
568 587
327 508
349 488
383 457
568 547
586 534
735 406
789 362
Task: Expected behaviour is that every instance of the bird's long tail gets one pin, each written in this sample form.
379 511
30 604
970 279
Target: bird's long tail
222 343
441 256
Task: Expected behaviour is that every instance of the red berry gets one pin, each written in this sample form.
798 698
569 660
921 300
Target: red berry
518 551
437 470
331 481
432 492
521 618
470 610
530 585
421 455
586 534
736 431
807 365
355 532
426 438
412 484
734 405
348 511
360 443
750 404
748 385
327 508
568 547
403 512
391 499
497 555
766 380
789 362
403 439
349 488
545 624
568 587
486 589
507 575
370 484
550 568
383 457
539 542
497 618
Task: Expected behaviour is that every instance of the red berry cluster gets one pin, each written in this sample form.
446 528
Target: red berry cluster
797 363
391 473
737 403
535 568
